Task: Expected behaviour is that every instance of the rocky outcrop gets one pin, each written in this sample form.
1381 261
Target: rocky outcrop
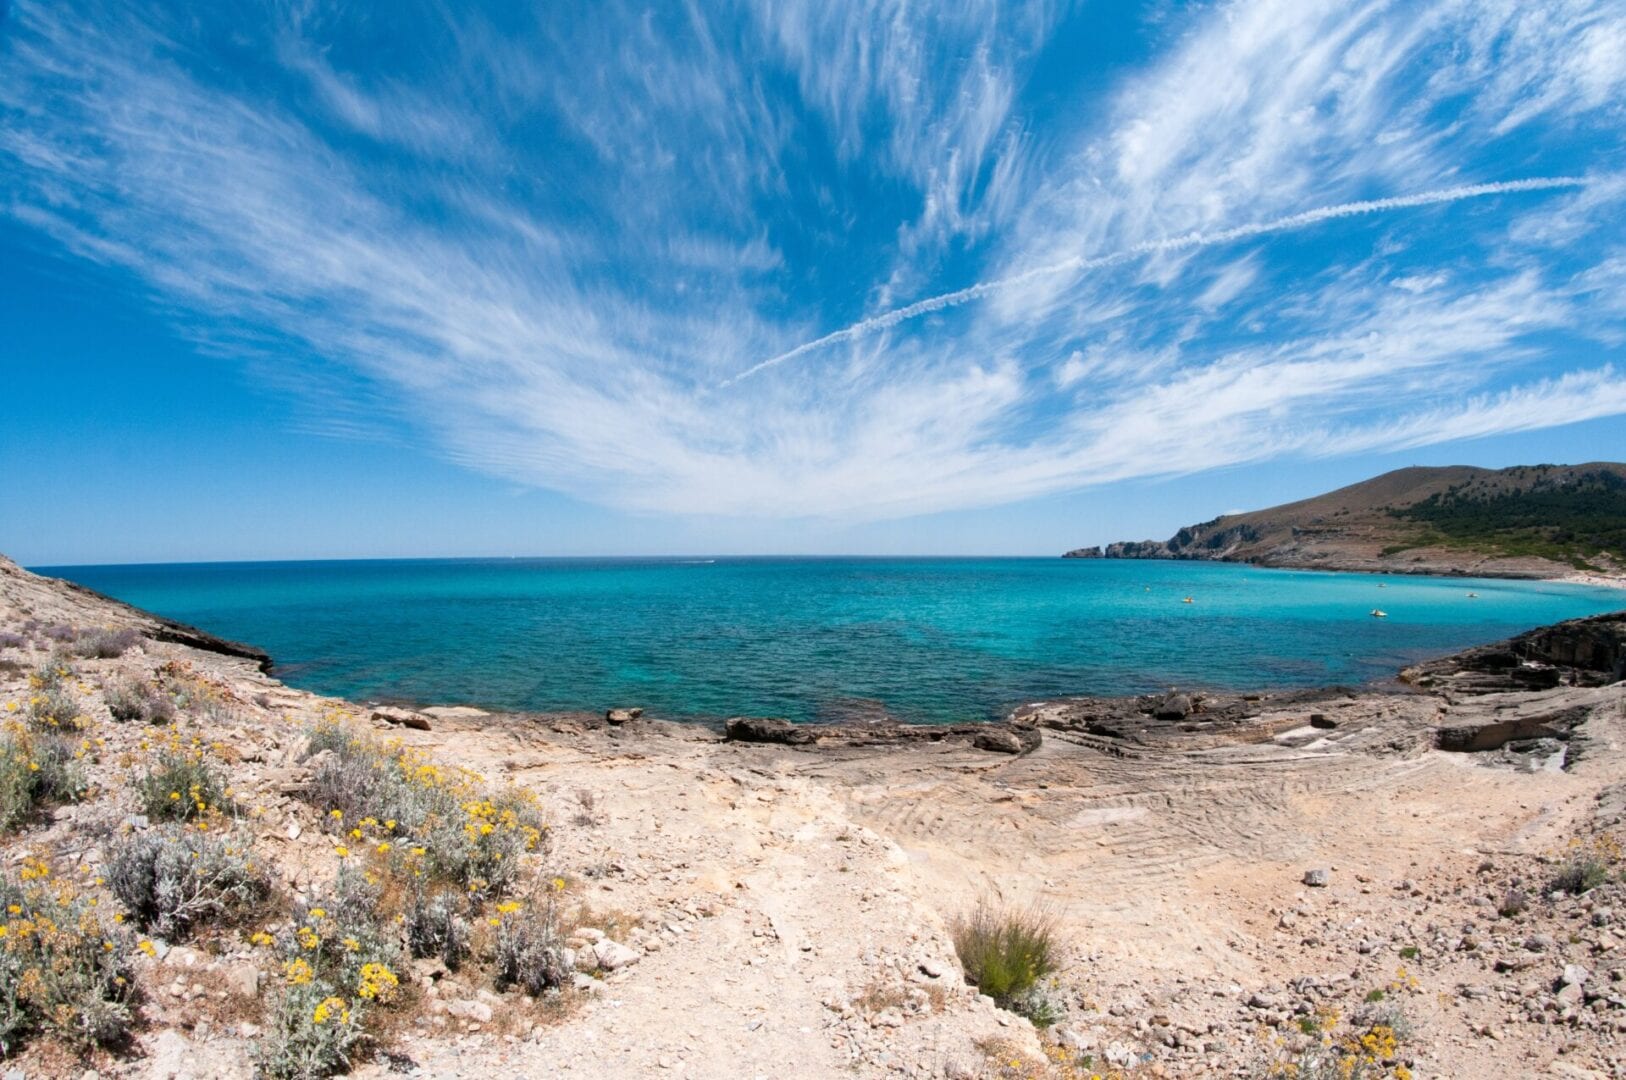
1579 652
401 718
1007 738
761 729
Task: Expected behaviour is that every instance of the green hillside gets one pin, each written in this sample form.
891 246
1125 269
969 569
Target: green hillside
1572 520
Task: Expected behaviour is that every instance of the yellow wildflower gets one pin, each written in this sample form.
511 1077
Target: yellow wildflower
377 983
327 1008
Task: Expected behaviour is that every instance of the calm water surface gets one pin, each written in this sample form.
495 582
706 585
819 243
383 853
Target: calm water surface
926 639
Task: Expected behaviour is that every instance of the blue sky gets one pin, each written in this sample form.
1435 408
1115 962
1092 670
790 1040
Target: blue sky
290 280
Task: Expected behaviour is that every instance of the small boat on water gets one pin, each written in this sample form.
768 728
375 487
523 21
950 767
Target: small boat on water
1378 613
1473 596
1381 585
1187 600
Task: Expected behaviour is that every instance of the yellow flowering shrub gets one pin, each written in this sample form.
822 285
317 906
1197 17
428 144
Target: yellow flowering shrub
180 783
441 823
36 770
52 705
63 970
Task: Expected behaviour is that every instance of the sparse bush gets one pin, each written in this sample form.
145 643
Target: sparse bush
62 970
1390 1016
1513 902
587 803
139 700
174 879
36 770
530 951
105 644
203 701
435 929
1006 951
61 633
51 704
1039 1004
180 785
1586 867
9 640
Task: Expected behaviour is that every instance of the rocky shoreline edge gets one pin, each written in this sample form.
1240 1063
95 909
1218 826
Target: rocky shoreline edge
1421 879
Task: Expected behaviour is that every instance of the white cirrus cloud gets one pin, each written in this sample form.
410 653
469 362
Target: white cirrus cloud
858 260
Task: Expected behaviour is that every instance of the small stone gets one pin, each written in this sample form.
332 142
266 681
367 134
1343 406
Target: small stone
1574 975
467 1009
1174 706
623 716
1317 879
402 718
243 980
612 955
932 969
998 741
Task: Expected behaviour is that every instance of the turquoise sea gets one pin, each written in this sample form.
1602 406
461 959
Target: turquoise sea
922 639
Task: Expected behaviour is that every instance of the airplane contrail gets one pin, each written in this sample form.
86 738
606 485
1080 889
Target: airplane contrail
892 318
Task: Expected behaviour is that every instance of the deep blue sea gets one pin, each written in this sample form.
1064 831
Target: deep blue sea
924 639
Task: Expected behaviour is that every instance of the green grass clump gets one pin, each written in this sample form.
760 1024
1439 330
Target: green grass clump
1005 951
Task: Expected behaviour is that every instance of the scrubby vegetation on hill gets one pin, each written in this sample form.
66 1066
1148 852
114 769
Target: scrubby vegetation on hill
1571 522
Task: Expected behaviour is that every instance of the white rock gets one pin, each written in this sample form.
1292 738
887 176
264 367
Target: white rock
477 1011
613 955
243 980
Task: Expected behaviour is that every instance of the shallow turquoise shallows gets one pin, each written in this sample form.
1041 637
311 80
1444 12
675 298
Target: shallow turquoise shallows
808 639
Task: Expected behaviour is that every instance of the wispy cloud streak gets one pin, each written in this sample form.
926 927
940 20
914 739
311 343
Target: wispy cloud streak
887 320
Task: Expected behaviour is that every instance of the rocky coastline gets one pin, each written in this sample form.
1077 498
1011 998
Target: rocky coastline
1240 882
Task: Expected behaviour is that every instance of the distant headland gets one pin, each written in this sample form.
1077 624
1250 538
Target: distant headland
1528 521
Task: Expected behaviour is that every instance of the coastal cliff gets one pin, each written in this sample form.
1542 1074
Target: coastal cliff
1529 521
